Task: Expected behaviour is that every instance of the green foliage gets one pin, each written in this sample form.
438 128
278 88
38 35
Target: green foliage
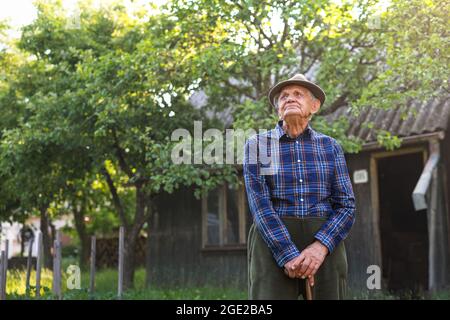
338 130
242 49
415 46
88 106
360 53
386 139
108 90
99 95
254 115
100 101
15 284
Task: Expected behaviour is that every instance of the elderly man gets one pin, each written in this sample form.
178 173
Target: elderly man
302 210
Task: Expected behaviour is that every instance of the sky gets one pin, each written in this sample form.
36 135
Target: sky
18 12
22 12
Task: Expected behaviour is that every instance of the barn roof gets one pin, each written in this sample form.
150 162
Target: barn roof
421 118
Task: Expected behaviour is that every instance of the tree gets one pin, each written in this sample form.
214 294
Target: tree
360 53
104 100
244 47
414 46
39 155
137 106
9 63
96 102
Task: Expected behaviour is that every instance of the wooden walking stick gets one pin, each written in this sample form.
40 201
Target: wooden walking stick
307 286
308 290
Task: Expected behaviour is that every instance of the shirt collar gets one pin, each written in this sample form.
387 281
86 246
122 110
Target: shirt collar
279 132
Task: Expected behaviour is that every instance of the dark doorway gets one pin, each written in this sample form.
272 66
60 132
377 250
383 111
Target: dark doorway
403 231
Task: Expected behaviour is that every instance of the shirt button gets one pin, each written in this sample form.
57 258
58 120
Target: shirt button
301 199
298 160
301 180
296 142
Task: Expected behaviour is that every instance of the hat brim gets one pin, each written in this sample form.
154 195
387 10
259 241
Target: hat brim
315 90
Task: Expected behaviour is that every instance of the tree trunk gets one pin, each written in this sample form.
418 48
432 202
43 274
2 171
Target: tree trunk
133 229
22 244
82 235
152 226
46 239
129 265
132 238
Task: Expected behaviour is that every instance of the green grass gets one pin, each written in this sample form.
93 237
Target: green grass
106 288
15 284
405 295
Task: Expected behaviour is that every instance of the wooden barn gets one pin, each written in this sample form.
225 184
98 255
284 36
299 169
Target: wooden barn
402 198
402 216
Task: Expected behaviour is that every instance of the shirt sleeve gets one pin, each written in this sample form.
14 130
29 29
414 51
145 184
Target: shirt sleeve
266 220
342 199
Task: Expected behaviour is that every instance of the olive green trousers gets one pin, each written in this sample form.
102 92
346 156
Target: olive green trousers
266 280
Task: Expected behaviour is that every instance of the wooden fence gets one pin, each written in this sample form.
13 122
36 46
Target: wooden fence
104 253
108 252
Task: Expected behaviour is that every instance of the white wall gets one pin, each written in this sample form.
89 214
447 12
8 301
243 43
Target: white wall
12 233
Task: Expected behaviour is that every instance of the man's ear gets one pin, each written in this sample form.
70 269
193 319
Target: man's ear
316 106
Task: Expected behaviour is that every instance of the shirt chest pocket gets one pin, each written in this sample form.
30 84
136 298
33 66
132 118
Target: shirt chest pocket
320 171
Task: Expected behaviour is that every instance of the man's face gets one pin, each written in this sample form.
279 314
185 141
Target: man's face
295 100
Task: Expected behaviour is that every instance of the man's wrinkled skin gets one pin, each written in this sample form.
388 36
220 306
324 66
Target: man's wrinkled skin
296 105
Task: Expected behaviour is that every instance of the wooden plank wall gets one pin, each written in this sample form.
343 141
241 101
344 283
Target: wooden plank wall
444 212
362 241
174 248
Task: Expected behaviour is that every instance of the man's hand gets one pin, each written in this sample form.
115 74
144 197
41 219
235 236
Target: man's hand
291 267
307 263
312 258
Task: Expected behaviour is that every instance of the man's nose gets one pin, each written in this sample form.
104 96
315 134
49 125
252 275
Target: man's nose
290 99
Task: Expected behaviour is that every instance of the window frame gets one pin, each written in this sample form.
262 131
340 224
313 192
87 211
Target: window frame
223 220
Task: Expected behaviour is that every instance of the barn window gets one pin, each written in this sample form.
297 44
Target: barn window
224 217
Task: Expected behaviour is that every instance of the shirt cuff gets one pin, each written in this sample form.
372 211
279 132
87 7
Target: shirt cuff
286 255
326 240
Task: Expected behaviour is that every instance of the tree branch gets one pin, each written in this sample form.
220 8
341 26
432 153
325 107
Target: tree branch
257 24
116 199
240 90
120 155
313 60
285 31
250 33
339 102
265 36
140 217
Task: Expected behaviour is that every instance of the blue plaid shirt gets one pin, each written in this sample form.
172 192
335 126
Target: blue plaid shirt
310 180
